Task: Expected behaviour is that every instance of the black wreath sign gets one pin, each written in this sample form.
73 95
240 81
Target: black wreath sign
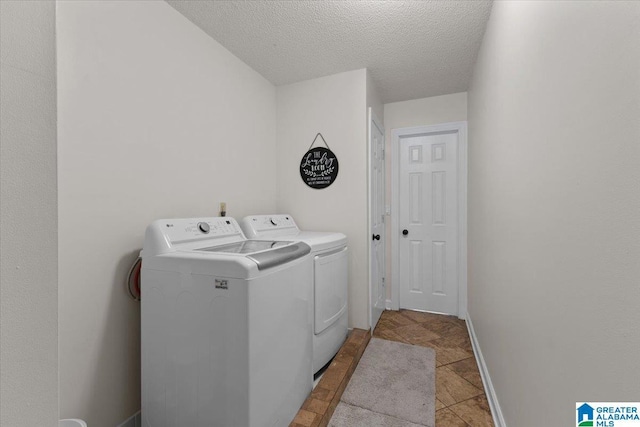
319 166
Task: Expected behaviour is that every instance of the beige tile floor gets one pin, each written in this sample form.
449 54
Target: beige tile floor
319 406
460 395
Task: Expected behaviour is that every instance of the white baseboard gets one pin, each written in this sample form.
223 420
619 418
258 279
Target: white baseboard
496 412
134 420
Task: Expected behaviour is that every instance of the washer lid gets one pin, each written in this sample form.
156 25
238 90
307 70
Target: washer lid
246 246
265 253
271 258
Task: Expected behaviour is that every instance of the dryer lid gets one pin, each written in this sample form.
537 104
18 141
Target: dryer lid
321 241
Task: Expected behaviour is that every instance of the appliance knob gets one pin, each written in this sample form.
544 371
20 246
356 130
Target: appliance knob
405 232
204 227
273 222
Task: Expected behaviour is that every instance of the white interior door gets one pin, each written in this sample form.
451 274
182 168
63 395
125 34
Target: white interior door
428 222
377 290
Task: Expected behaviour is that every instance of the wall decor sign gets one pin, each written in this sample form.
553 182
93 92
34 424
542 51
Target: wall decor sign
319 166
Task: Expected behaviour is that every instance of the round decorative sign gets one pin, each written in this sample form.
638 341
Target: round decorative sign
319 167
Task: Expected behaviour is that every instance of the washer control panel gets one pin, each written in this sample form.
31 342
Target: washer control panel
194 228
222 226
164 235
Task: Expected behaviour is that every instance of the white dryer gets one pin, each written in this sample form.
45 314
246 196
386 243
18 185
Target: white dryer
330 278
225 326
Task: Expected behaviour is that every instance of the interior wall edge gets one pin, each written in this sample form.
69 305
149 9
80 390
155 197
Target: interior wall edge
494 404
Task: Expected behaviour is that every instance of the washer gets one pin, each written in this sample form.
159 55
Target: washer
330 278
225 326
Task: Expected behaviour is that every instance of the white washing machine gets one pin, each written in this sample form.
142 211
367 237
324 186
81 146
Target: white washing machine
330 278
225 326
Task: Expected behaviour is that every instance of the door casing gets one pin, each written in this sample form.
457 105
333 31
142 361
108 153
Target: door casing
374 312
396 135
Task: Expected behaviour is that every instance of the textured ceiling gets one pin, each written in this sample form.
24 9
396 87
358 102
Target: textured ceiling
413 49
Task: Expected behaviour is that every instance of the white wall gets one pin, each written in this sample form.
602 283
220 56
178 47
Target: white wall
373 99
554 203
156 120
28 216
416 112
336 107
425 111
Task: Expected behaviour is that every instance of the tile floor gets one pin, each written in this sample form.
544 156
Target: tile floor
460 396
319 406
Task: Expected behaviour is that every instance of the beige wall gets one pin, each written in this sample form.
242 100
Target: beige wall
554 203
28 216
373 99
336 107
417 112
156 120
425 111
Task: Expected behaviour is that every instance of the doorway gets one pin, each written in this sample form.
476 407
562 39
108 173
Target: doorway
428 237
377 246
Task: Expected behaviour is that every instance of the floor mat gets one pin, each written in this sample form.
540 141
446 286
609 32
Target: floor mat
394 379
346 415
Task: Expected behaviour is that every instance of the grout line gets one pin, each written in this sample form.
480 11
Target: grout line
466 358
483 391
458 417
473 385
386 415
465 400
323 419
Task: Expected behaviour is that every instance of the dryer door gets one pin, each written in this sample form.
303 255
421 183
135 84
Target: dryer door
331 273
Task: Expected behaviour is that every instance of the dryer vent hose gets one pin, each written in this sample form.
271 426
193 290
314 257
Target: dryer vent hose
133 280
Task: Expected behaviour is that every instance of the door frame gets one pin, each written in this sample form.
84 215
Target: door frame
371 119
396 134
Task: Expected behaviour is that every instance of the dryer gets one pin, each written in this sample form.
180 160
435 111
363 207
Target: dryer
225 326
330 278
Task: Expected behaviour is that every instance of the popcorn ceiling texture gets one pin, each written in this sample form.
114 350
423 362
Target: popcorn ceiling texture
412 49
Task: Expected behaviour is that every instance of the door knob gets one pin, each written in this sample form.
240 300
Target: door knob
376 237
405 232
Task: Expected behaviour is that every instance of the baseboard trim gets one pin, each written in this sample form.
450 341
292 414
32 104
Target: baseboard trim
496 412
134 420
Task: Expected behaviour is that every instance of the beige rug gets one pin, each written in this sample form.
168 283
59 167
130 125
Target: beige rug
392 386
